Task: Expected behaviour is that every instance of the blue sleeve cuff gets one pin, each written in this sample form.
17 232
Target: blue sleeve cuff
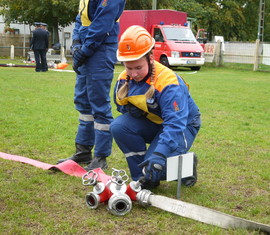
162 149
159 154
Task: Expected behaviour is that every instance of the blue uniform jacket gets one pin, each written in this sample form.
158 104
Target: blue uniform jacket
171 102
40 40
104 26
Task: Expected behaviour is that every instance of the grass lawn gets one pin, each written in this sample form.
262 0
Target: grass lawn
38 120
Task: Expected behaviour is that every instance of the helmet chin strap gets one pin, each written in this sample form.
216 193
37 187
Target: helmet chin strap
150 68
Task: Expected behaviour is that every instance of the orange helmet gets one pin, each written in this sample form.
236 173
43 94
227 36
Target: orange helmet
134 43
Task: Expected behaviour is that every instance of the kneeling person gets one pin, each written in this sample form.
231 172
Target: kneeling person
156 108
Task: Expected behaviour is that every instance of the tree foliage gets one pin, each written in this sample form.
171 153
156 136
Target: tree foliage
147 4
235 20
54 12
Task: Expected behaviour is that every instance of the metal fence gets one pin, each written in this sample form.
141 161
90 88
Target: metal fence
256 54
221 54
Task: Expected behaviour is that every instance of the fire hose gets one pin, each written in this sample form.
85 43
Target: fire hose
119 197
113 191
199 213
50 65
17 65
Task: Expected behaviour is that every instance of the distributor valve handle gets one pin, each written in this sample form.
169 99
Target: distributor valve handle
119 177
90 178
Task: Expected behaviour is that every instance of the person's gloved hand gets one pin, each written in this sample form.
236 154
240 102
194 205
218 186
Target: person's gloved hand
78 59
134 111
76 44
153 167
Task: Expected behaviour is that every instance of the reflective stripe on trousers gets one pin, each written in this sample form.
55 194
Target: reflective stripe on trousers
132 135
92 100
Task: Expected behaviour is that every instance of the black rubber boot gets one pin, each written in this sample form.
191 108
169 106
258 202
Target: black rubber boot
83 155
98 162
191 181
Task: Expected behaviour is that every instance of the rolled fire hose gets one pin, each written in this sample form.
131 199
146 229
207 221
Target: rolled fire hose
199 213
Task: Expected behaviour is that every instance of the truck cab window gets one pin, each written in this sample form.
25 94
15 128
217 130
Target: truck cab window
158 35
179 34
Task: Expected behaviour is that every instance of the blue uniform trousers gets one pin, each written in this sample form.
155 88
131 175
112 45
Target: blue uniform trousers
133 134
40 58
92 100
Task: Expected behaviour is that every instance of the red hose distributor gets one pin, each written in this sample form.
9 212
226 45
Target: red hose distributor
101 193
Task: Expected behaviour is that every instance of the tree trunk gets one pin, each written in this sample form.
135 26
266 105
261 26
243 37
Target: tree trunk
54 36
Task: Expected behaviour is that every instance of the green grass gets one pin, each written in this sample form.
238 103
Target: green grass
38 120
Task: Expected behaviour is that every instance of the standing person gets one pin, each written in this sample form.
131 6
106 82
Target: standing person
156 108
44 27
95 40
39 44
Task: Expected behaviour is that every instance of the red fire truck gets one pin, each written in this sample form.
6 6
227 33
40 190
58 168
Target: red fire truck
175 44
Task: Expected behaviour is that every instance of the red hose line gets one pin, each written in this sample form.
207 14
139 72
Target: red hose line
17 65
68 167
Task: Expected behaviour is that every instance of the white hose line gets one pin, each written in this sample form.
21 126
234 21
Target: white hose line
186 72
203 214
61 70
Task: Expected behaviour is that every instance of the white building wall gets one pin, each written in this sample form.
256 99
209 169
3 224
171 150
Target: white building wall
26 29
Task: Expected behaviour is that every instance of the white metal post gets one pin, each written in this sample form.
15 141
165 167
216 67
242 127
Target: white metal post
154 5
12 52
179 180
